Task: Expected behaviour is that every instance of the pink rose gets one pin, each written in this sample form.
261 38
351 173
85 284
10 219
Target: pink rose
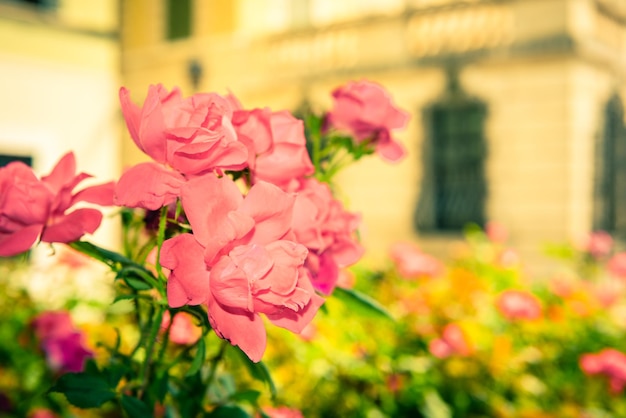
64 226
517 304
185 137
62 342
365 110
276 145
321 223
30 207
240 262
24 207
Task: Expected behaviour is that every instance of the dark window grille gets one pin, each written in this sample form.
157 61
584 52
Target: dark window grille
610 184
178 19
6 159
454 188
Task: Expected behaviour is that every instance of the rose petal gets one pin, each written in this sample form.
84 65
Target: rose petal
188 283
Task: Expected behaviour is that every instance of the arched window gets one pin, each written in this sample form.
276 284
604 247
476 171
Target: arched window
610 184
454 189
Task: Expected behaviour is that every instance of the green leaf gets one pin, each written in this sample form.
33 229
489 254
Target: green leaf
248 396
229 411
198 360
84 390
362 303
126 297
259 371
137 284
135 408
108 257
114 372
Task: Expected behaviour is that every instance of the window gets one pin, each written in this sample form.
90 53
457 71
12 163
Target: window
178 19
610 181
454 188
6 159
39 3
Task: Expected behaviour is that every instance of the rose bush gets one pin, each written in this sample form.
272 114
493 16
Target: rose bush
231 225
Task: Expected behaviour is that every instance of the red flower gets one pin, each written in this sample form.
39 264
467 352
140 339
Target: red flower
365 110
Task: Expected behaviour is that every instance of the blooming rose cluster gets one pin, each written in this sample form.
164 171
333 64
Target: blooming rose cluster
608 362
266 250
63 343
32 208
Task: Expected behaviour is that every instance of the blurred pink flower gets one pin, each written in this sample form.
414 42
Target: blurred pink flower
365 109
496 232
452 342
63 343
282 412
608 362
184 137
321 223
617 265
412 263
42 413
183 329
599 244
508 257
240 261
518 304
276 145
32 208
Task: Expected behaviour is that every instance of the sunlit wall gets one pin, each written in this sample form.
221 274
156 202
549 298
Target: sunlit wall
543 70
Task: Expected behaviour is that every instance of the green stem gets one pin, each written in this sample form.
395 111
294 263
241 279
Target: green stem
186 351
166 339
160 239
144 373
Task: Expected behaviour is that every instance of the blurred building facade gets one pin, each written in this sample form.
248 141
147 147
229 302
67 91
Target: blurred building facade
59 75
517 104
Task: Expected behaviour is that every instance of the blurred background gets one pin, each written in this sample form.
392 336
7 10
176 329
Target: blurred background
517 105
